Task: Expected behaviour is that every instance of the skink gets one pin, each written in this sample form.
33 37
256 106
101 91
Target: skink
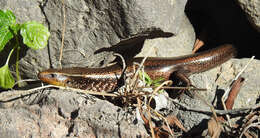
106 79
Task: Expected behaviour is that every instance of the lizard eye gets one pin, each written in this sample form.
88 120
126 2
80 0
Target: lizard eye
52 75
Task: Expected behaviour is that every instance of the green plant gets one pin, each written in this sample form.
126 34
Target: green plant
149 81
34 35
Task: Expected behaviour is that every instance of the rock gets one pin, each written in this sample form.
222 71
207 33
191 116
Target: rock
178 45
109 120
32 121
217 81
63 113
252 10
24 10
214 86
94 25
89 26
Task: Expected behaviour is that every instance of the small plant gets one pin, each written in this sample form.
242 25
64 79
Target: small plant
149 81
34 35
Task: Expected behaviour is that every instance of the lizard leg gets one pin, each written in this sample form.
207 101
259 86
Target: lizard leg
185 82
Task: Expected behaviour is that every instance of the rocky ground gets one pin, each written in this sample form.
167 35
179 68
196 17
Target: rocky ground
117 26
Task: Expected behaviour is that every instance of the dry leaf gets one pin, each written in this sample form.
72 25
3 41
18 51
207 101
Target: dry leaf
198 44
214 128
171 119
234 92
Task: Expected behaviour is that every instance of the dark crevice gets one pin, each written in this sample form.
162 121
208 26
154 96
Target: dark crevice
70 130
42 100
42 6
119 130
223 21
74 114
60 113
197 130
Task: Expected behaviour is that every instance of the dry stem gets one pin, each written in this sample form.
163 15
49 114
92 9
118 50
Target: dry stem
63 32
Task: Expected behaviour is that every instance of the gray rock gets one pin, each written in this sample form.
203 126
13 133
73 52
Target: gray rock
217 81
24 10
63 113
109 120
178 45
252 9
32 121
94 25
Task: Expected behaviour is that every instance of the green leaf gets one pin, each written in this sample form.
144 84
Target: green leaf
5 36
158 82
6 78
146 78
15 28
149 82
35 35
7 18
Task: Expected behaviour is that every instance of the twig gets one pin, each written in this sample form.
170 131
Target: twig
139 68
153 94
133 83
122 58
17 61
219 112
165 120
214 117
251 125
137 72
157 89
150 123
88 92
124 64
152 129
178 88
250 121
26 80
146 121
208 104
7 96
63 32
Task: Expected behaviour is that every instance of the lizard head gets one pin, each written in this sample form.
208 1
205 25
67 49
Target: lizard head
54 77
